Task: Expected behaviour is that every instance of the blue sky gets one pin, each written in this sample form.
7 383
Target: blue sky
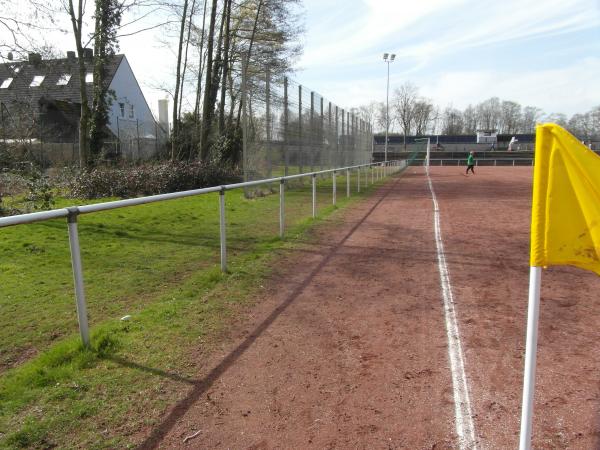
543 53
539 53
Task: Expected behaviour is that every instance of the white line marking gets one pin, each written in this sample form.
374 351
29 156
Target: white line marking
462 405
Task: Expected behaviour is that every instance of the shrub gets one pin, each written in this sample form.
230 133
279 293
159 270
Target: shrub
148 179
39 195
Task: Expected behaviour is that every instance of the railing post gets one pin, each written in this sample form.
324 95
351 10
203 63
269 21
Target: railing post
286 150
372 174
78 276
222 228
281 208
347 182
334 187
314 195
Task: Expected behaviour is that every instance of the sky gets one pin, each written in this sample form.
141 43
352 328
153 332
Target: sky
457 52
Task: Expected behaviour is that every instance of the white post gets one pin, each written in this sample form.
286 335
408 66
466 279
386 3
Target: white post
358 182
347 182
387 112
428 151
314 195
334 176
281 208
78 276
533 312
222 229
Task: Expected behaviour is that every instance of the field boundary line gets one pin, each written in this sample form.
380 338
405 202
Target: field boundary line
462 404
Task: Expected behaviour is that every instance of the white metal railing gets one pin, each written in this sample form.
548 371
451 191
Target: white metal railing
378 172
501 162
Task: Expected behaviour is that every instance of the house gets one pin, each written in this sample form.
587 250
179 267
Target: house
40 100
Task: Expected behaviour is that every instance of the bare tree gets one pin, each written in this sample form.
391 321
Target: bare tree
510 118
403 103
452 121
529 118
176 96
423 115
557 118
470 120
489 113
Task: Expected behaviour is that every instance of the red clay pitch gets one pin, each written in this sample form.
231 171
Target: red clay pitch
348 347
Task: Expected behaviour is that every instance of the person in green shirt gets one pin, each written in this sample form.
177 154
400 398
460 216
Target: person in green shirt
471 163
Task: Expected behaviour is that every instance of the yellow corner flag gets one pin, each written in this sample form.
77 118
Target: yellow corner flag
565 215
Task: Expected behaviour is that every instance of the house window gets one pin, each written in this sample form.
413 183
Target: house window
64 79
37 80
122 108
130 111
89 77
6 83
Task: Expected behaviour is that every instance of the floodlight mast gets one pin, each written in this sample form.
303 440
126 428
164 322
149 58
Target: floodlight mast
387 100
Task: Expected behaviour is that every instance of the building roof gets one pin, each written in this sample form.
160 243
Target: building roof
55 85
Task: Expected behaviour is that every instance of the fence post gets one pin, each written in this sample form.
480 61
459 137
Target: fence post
358 180
286 154
347 182
244 100
337 137
137 130
334 186
314 195
321 136
300 146
268 121
349 134
281 208
330 134
155 138
343 138
223 231
118 137
311 138
78 276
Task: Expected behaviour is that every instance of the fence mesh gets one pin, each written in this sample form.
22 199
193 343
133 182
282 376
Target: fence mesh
290 129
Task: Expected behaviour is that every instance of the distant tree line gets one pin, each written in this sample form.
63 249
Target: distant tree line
413 114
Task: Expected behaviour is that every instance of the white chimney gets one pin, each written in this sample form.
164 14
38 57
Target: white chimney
163 114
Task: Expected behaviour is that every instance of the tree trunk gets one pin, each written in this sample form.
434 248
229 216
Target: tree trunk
175 135
206 115
244 69
200 66
85 110
225 68
185 58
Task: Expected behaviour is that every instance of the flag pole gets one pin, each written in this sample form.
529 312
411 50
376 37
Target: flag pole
533 312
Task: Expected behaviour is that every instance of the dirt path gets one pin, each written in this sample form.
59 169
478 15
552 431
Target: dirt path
485 224
347 350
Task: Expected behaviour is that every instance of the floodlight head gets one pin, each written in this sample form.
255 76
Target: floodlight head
392 57
385 56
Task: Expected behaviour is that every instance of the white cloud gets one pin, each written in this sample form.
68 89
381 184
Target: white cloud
568 90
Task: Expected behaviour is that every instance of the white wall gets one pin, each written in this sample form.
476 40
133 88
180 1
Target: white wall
128 92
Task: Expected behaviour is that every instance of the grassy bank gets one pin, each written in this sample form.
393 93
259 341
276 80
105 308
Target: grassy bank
157 263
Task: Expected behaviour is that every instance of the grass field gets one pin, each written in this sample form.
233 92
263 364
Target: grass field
157 263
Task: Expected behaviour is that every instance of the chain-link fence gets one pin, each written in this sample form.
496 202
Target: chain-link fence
290 129
132 140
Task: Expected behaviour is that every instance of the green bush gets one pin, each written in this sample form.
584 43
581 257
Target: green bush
149 179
